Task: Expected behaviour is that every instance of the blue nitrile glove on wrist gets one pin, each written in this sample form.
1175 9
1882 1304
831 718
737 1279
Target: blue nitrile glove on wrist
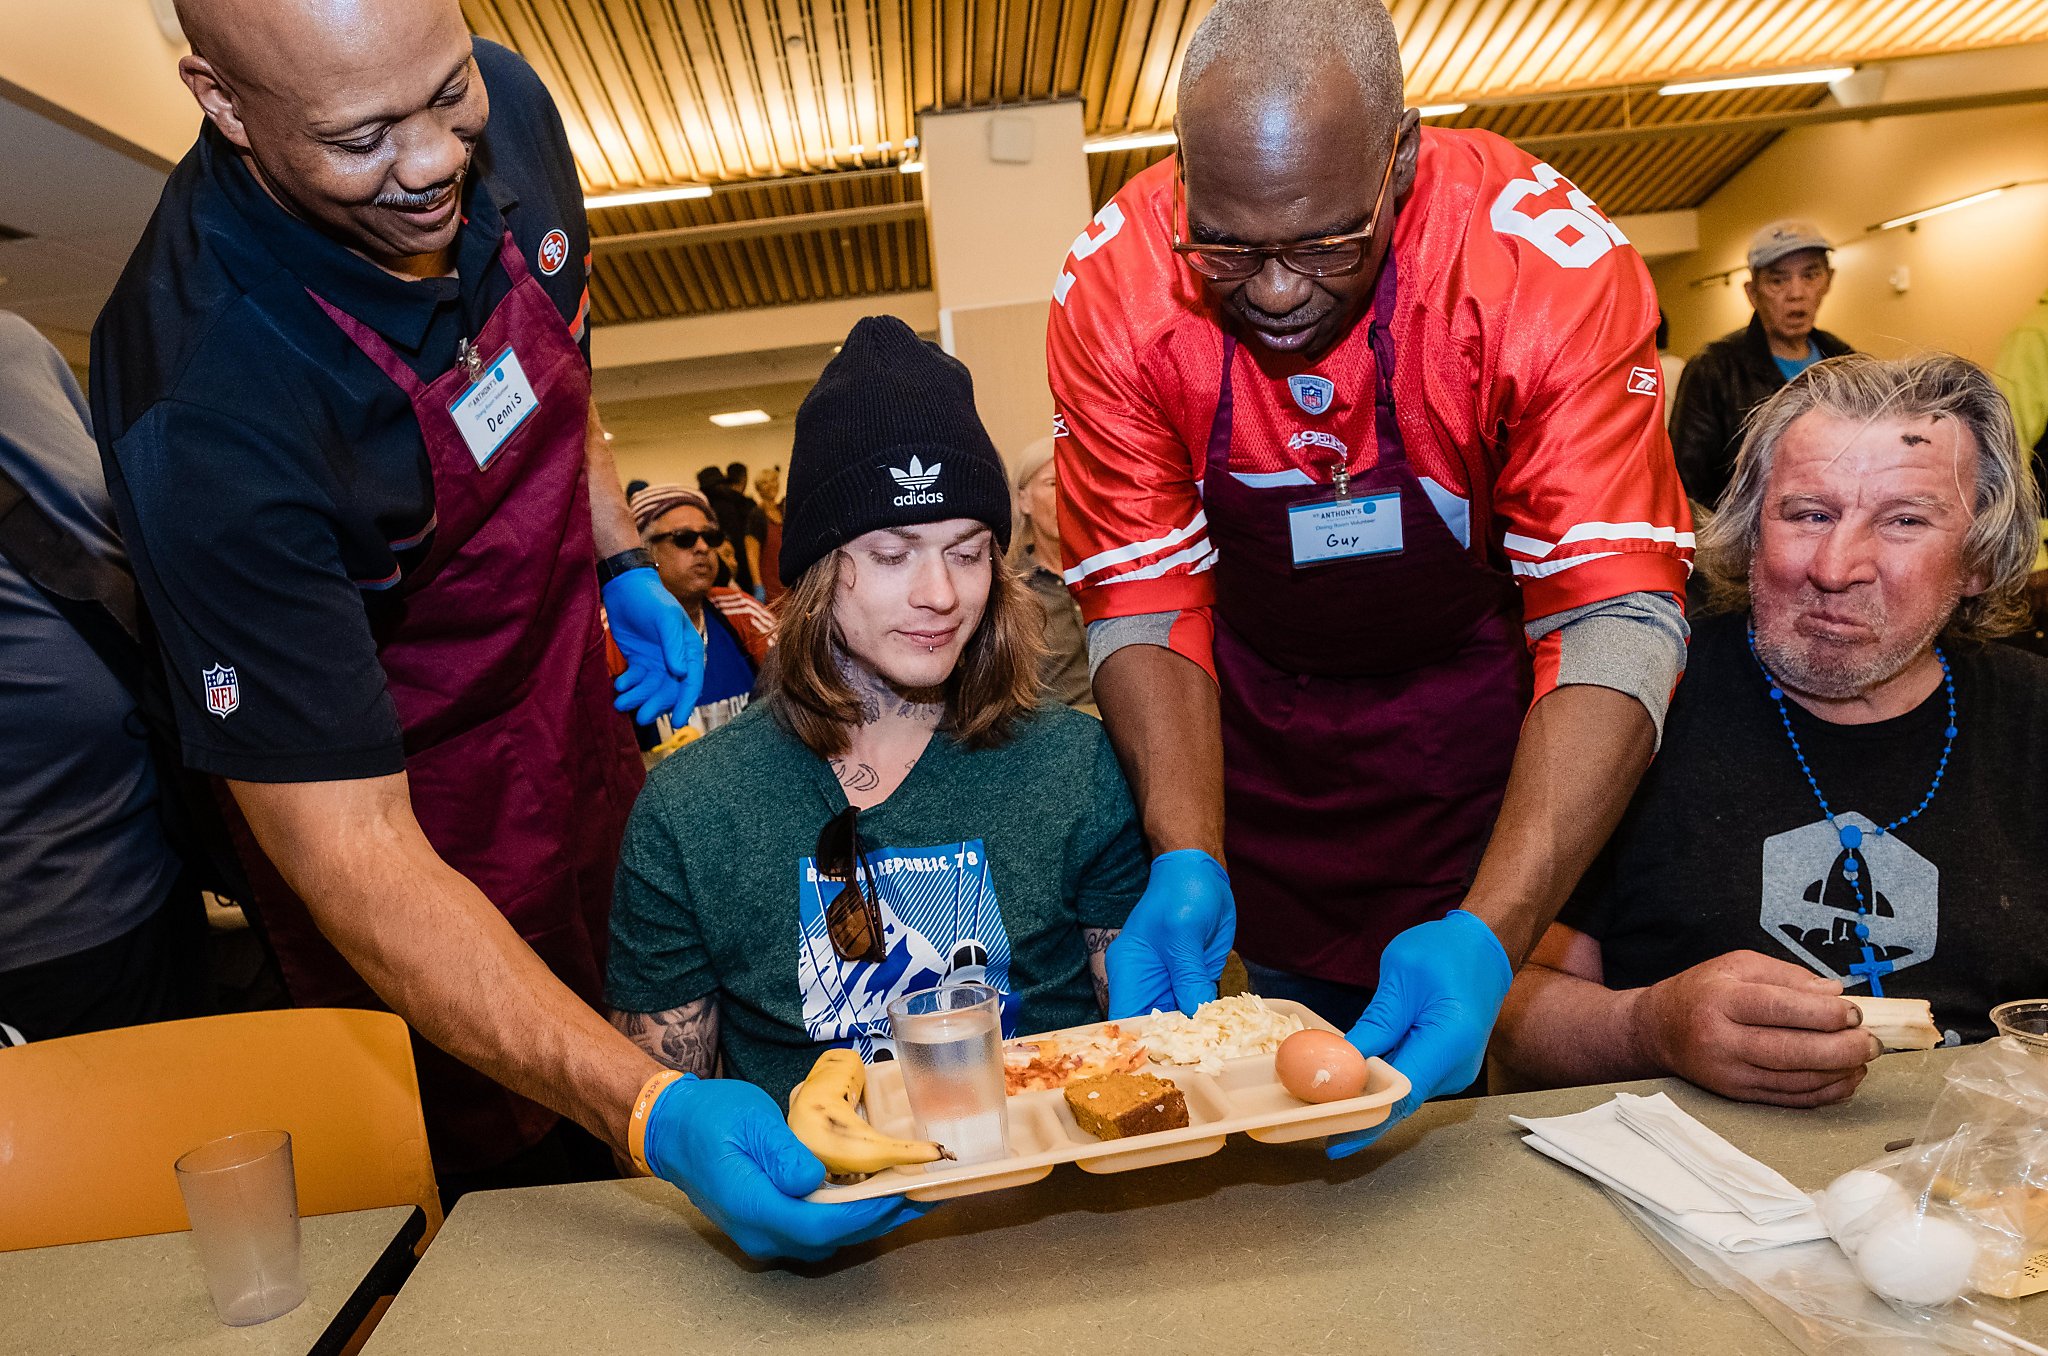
664 654
1441 987
1171 950
726 1145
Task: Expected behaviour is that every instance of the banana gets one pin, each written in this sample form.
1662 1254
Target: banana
824 1113
1899 1023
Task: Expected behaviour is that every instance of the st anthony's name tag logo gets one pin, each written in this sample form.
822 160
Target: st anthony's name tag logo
223 690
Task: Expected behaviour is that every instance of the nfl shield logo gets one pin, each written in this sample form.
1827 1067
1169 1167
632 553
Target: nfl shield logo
1313 394
223 692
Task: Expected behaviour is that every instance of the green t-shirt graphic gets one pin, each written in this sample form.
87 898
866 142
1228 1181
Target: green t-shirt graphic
989 864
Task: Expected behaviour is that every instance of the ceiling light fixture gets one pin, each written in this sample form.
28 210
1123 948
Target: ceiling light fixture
1128 141
740 418
631 196
1827 76
911 167
1935 211
1440 110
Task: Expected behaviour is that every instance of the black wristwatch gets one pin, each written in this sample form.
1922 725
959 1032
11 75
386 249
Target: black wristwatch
611 567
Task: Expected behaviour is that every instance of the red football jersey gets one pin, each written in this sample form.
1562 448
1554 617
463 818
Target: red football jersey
1526 388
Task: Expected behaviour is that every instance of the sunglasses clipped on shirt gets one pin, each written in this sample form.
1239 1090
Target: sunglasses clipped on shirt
687 537
853 920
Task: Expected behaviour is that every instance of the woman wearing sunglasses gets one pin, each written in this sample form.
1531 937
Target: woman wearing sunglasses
679 529
896 810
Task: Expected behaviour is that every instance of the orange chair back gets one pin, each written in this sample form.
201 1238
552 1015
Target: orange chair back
90 1125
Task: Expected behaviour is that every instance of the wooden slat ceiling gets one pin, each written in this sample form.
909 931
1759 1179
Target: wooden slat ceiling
1650 176
809 92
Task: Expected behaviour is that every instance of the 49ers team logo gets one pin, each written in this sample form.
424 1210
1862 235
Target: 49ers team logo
554 252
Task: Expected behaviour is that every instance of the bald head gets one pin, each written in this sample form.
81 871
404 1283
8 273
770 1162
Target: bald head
358 116
1287 55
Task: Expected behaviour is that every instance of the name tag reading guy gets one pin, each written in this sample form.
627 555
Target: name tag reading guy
493 407
1342 529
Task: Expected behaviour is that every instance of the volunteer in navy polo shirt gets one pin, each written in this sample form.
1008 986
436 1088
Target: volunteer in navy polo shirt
343 394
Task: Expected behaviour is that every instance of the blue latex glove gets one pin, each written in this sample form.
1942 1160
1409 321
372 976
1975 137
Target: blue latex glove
724 1142
1171 950
1441 987
664 654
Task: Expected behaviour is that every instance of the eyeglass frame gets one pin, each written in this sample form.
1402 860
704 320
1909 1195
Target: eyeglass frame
704 535
859 895
1188 249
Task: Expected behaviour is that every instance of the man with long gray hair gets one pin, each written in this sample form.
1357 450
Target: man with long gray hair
1849 799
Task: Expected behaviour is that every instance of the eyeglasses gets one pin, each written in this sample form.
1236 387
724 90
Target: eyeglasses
688 537
853 920
1329 256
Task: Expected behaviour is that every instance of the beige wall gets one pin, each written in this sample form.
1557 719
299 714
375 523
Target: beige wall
999 234
1969 274
106 64
678 458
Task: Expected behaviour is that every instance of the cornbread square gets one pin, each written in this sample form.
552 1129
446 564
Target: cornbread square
1118 1106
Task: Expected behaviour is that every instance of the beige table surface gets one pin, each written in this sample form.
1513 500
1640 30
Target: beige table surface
137 1296
1448 1237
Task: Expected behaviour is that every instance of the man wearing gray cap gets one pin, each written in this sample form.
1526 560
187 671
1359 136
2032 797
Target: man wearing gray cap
1789 274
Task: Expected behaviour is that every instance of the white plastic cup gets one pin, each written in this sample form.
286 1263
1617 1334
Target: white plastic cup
243 1202
949 1044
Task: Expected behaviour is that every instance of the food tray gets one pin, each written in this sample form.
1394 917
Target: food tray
1246 1096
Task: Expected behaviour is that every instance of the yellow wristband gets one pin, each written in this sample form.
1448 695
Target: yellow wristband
643 1107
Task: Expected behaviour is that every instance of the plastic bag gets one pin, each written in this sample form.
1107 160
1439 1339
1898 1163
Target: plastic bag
1951 1222
1965 1208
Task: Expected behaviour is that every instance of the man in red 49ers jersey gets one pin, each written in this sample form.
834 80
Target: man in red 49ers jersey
1368 504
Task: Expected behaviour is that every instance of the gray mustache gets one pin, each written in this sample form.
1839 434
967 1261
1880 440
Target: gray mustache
424 198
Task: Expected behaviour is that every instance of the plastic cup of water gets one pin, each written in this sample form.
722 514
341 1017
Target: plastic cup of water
243 1201
949 1042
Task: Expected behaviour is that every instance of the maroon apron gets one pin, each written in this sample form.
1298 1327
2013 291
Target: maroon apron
520 771
1371 707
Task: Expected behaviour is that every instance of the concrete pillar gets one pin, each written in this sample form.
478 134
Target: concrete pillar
1005 192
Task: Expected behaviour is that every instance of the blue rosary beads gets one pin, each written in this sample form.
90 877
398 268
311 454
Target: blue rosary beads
1851 835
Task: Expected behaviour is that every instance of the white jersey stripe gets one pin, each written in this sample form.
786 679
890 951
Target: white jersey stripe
1626 532
1118 555
1525 570
1201 553
1537 547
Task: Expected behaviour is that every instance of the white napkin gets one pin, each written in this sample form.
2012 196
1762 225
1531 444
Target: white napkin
1757 1190
1685 1174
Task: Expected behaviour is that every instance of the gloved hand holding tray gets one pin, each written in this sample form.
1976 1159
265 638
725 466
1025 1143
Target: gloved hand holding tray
1224 1095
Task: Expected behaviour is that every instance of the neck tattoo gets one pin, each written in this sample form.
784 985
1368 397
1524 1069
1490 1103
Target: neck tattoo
1851 835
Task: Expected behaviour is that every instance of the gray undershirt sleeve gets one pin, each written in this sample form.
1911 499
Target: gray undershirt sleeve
1633 644
1111 634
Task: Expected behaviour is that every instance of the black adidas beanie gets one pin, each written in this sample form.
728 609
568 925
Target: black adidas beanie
888 438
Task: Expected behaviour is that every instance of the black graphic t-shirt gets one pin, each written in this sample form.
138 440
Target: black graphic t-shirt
1725 848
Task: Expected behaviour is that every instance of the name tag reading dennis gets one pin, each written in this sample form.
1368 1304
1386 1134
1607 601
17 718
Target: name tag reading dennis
1341 529
493 407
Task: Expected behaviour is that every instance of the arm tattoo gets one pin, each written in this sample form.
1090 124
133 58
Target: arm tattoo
684 1038
1096 941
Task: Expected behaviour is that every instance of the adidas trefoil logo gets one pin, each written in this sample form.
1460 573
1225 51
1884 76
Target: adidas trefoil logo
917 483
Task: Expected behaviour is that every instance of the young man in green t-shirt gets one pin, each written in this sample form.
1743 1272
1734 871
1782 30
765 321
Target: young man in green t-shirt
900 746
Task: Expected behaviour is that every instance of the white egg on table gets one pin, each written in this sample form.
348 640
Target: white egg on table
1917 1259
1858 1201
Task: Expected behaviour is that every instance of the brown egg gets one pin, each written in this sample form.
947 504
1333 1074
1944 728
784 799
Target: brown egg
1320 1066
